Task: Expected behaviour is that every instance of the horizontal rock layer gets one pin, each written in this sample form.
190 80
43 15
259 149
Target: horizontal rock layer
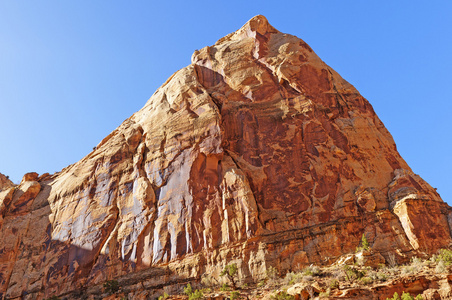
257 153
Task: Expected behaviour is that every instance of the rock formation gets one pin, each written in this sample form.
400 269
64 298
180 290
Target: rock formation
5 183
257 153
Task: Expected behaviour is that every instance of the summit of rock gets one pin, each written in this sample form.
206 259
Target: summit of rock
257 153
256 26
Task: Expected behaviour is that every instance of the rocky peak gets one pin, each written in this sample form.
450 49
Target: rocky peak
255 27
258 154
5 183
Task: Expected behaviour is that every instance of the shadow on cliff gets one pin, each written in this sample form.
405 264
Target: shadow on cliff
39 265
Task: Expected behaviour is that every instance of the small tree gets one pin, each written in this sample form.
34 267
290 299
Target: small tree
111 286
188 290
193 295
364 244
230 271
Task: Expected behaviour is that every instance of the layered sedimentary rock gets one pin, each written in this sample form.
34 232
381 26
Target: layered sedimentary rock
257 153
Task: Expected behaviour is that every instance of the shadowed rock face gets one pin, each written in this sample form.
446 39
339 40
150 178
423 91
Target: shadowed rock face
257 153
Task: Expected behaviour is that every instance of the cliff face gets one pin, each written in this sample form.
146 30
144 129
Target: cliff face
5 183
257 153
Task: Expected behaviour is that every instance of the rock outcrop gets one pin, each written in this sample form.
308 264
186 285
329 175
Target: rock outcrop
257 153
5 183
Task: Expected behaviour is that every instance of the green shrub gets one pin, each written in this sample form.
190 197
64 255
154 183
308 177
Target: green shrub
164 296
111 286
224 287
261 283
394 297
235 295
364 244
282 296
193 295
311 271
353 273
230 271
382 276
188 290
405 296
292 278
445 255
366 280
196 295
334 284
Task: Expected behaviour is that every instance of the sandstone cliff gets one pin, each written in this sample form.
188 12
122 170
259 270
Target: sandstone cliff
257 153
5 183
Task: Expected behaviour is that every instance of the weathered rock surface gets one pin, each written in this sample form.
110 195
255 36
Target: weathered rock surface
5 183
257 153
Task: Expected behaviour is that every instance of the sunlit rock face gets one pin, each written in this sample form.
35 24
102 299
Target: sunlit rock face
5 183
257 153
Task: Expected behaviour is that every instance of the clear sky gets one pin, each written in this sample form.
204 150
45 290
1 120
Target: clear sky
72 71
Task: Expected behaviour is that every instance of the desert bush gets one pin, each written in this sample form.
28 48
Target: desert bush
164 296
261 283
311 271
230 271
381 276
282 296
196 295
392 261
405 296
441 267
444 255
193 295
334 284
188 290
225 287
394 297
353 273
292 278
235 295
365 280
416 265
272 273
364 244
111 286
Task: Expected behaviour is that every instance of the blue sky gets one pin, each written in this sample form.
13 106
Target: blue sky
72 71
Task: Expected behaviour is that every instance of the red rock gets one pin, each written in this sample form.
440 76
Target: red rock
257 154
5 183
